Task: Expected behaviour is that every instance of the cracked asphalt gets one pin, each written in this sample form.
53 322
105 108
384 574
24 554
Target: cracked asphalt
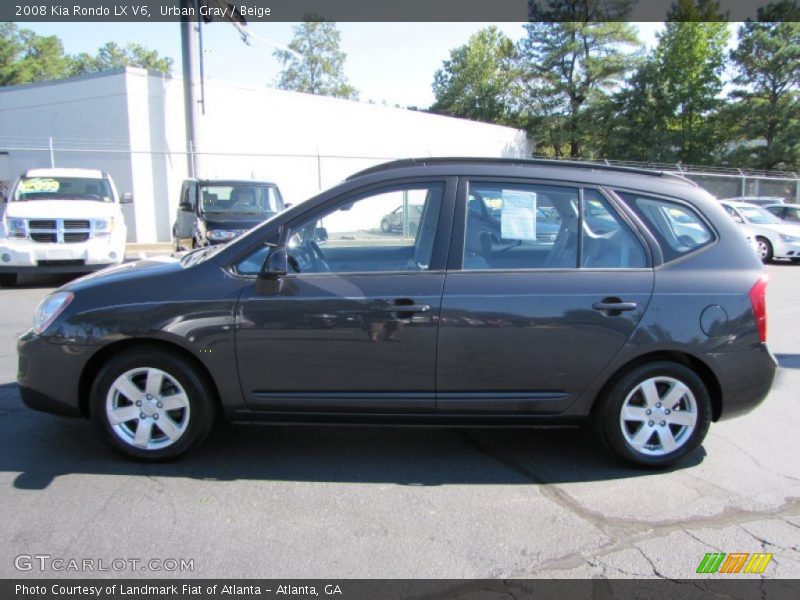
306 502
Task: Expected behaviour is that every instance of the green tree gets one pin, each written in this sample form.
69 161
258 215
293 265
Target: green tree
634 122
691 56
767 107
479 80
569 61
315 63
26 57
112 56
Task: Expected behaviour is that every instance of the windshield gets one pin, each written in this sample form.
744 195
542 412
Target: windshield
759 216
63 188
240 198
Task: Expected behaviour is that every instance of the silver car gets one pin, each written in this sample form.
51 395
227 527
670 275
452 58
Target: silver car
774 238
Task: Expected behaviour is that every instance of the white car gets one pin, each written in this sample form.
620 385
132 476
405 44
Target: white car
61 221
774 238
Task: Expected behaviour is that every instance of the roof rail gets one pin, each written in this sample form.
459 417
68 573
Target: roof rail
519 162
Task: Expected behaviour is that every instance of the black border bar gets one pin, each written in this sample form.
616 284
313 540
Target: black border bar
352 10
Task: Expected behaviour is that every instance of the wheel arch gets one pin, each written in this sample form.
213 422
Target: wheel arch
106 353
692 362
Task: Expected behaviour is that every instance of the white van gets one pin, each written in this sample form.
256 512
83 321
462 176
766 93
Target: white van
61 221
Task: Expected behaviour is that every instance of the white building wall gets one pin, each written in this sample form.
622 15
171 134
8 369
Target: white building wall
131 124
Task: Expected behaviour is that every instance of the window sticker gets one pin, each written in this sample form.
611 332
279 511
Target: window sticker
39 184
518 217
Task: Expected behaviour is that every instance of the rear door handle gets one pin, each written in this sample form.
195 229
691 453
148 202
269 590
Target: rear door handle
410 308
614 307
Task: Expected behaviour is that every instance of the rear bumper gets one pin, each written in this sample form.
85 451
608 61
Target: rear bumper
49 374
745 378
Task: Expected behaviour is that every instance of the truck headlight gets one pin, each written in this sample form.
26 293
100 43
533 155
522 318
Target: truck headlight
221 235
103 226
49 309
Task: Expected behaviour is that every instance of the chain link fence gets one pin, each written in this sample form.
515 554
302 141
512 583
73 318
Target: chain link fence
724 182
155 176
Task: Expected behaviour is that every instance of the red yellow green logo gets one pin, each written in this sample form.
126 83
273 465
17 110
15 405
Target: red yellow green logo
735 562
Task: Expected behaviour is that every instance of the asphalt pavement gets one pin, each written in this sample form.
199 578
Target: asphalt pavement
364 502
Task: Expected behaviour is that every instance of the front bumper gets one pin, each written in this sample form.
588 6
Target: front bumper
784 249
745 378
20 255
49 374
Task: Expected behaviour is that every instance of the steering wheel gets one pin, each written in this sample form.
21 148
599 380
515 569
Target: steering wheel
308 258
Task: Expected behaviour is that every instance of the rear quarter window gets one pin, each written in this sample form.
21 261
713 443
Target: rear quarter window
678 228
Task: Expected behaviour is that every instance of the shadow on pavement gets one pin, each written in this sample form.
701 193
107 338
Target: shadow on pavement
41 447
788 361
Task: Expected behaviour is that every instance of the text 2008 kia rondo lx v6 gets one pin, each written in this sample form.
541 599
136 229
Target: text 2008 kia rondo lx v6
644 314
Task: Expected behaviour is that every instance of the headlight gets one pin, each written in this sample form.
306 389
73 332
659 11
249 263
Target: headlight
49 308
790 238
103 226
15 228
222 235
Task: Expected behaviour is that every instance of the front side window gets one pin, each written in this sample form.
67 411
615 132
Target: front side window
678 229
63 188
514 226
758 216
389 230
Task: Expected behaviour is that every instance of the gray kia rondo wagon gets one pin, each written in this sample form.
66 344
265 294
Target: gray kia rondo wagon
577 293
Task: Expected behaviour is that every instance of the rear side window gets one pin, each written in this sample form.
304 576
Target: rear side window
678 229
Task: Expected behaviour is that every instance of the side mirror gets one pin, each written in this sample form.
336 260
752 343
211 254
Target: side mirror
276 265
127 198
186 207
320 235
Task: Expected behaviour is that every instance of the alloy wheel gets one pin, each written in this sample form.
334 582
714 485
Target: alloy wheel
147 408
658 416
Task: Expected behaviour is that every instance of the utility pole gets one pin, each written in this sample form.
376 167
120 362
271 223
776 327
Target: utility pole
188 52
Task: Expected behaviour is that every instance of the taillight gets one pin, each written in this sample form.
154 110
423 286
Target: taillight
758 300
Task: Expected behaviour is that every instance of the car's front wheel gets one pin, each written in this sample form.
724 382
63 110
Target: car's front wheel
655 415
385 228
764 249
151 404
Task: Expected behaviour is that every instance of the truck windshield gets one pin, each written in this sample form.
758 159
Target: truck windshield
240 198
63 188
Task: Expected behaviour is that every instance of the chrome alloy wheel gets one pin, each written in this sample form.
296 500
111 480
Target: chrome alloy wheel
763 249
658 416
147 408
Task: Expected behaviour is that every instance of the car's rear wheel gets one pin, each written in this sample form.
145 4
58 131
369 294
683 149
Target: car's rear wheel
151 404
8 279
655 415
764 249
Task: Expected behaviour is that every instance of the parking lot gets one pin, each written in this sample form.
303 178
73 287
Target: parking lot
306 502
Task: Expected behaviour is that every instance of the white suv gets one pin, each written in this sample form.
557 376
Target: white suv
61 221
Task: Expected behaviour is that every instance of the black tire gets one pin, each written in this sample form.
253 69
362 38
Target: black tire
8 279
608 412
385 226
201 405
767 253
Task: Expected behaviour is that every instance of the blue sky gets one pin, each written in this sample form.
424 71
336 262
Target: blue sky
391 62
